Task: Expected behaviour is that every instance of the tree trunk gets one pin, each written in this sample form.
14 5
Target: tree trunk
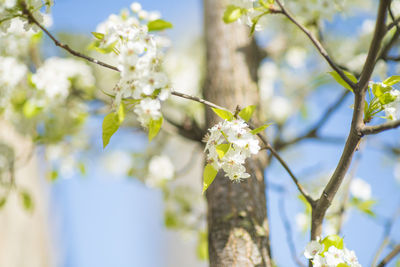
237 215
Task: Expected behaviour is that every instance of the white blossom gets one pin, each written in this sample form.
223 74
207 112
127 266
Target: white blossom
392 110
360 189
140 56
334 256
240 143
160 169
117 163
55 75
312 249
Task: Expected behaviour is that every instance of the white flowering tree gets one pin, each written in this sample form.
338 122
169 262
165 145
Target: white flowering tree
50 99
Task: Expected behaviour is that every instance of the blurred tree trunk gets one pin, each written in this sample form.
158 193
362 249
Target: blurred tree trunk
237 214
24 235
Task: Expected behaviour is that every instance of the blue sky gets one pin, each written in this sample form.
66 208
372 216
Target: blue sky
107 222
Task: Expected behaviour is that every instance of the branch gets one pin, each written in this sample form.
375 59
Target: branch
390 256
317 44
386 233
313 131
379 33
188 129
32 19
197 99
357 124
288 230
367 130
286 167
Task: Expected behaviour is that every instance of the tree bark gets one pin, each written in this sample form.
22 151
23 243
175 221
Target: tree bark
237 215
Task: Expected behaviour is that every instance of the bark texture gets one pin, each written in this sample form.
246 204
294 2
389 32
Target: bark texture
237 214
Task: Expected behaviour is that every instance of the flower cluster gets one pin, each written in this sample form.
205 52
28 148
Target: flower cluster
55 77
387 98
330 252
12 73
140 55
229 144
252 13
11 9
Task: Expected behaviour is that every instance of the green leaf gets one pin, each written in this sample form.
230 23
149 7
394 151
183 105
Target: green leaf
3 202
342 265
202 246
332 240
233 13
222 149
171 219
52 175
98 35
247 112
364 206
260 129
26 200
208 176
339 79
223 114
392 80
111 124
158 25
383 93
154 128
30 110
82 168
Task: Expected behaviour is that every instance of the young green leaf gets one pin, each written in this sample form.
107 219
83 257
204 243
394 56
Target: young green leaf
232 13
223 114
392 80
158 25
26 200
111 124
332 240
339 79
154 128
247 112
260 129
222 149
98 35
208 176
3 201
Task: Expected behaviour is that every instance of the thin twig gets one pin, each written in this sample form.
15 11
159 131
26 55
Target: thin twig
286 167
317 44
197 99
388 225
390 256
288 230
313 131
32 19
366 130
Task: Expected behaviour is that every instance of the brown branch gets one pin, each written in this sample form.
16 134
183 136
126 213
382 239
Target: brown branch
317 44
313 131
379 33
32 19
388 225
189 129
286 167
355 135
391 255
197 99
366 130
288 230
394 23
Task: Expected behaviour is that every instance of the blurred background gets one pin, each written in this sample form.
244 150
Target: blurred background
92 208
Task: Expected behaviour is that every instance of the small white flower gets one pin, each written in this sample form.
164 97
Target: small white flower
136 7
334 256
313 248
360 189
